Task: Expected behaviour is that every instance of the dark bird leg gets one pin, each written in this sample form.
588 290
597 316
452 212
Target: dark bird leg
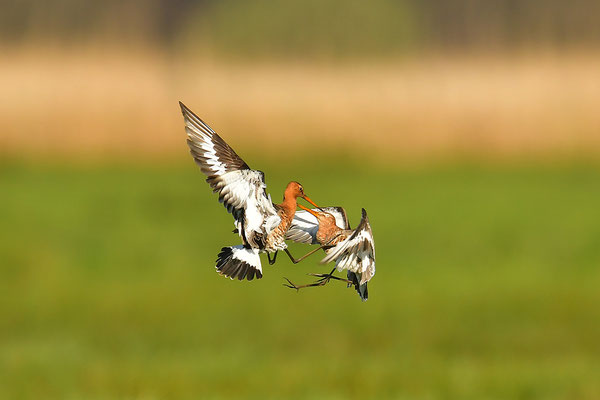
272 261
325 278
296 261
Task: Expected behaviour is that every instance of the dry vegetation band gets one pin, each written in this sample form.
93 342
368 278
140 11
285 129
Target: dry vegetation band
126 104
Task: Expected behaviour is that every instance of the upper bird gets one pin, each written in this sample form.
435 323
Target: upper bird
352 249
261 224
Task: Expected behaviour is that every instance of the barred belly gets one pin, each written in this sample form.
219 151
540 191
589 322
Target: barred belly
276 239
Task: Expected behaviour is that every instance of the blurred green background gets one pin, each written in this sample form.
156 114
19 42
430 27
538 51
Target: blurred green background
469 131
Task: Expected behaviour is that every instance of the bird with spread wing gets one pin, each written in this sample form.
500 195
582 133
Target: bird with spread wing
260 224
352 249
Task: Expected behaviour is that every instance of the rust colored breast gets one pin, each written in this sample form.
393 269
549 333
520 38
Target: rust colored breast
276 239
328 230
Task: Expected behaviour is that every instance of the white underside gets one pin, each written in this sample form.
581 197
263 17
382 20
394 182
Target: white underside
249 256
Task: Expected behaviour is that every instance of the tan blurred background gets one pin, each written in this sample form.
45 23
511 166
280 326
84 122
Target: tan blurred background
437 79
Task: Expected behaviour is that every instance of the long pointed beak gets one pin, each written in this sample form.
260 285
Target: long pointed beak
309 210
310 201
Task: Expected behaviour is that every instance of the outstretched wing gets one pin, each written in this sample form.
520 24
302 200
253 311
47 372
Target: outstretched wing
210 151
357 253
305 225
240 189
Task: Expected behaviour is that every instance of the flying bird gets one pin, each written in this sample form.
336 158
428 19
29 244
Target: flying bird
260 224
352 249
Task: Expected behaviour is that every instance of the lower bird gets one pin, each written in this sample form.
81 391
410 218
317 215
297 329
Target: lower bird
352 249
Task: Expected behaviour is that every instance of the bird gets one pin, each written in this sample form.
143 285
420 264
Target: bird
352 249
260 224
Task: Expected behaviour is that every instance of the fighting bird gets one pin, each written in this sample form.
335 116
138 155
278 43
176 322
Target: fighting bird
352 249
260 224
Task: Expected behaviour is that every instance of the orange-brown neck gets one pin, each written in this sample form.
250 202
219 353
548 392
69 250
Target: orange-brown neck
289 203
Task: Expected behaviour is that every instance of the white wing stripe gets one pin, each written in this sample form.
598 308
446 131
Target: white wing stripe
356 254
350 242
249 256
244 189
204 145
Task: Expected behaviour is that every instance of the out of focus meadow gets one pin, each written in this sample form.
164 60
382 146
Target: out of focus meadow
470 132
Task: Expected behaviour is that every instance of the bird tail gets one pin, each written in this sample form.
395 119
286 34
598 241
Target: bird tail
239 262
361 288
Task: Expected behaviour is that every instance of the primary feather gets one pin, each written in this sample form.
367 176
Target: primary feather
357 252
352 250
240 188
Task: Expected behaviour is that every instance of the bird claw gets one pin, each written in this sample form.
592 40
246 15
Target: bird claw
290 284
324 279
327 277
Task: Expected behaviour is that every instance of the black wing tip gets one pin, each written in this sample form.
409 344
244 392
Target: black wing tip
362 290
364 296
184 108
233 268
188 114
364 222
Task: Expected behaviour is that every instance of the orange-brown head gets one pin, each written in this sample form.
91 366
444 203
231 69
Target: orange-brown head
295 190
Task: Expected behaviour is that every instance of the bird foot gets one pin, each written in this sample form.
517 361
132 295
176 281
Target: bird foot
291 284
327 277
324 279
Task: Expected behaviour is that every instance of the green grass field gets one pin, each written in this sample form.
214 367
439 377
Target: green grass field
487 287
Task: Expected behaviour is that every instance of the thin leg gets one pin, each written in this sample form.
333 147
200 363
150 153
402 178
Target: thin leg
329 276
272 261
296 261
325 278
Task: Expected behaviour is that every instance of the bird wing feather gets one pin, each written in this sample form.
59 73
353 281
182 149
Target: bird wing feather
305 225
303 229
240 189
214 156
357 252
